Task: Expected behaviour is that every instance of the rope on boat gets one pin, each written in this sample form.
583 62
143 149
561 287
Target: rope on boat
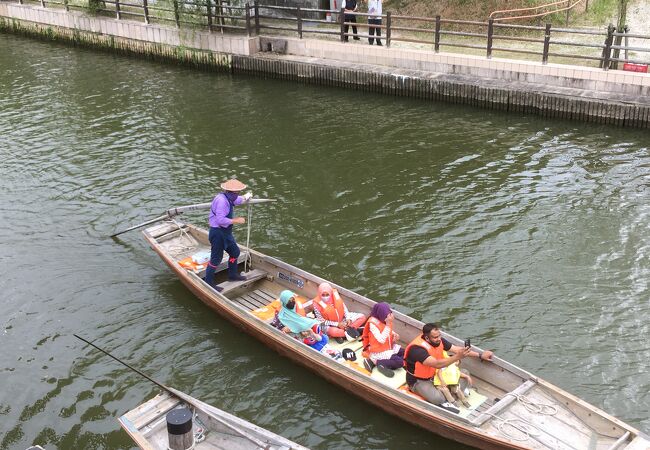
524 427
248 237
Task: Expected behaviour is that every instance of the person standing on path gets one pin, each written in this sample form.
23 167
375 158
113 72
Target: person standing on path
374 9
221 220
350 7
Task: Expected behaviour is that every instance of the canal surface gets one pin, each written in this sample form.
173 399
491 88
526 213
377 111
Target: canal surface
529 236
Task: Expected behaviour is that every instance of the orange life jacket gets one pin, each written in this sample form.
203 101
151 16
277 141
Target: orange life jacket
333 313
370 343
422 371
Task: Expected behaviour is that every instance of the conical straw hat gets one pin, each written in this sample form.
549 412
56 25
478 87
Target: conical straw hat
233 185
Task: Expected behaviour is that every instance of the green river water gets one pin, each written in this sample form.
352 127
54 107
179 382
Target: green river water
530 236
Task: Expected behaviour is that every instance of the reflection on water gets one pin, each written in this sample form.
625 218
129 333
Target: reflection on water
529 236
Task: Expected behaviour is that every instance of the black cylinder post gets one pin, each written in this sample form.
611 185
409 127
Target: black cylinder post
179 429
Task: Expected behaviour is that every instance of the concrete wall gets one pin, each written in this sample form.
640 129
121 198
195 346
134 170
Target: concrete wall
136 31
558 75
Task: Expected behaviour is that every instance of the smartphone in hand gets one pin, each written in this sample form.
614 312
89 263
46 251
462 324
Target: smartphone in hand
468 343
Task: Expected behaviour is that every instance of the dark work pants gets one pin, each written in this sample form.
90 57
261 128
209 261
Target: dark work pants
350 18
221 239
373 31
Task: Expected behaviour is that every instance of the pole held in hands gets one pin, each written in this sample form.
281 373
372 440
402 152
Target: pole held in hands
177 211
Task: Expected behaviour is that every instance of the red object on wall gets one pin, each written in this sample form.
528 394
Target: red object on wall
631 67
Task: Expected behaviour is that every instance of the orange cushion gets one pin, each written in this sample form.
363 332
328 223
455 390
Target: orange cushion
406 389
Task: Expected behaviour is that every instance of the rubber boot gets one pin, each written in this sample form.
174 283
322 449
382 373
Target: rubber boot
233 275
209 278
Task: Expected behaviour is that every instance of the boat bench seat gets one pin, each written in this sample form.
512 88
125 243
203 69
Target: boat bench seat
251 276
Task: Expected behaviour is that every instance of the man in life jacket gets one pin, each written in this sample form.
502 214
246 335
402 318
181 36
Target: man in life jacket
221 220
424 356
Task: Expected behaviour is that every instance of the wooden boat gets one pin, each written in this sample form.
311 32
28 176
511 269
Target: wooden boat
510 407
213 428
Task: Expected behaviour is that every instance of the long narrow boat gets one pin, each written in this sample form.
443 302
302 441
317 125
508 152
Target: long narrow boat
213 428
510 407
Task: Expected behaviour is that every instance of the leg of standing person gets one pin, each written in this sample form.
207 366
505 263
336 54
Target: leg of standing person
216 254
378 30
346 27
371 30
233 251
354 28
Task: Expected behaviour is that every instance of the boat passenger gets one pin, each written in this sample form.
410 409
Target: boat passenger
334 316
221 220
380 342
289 321
447 381
425 355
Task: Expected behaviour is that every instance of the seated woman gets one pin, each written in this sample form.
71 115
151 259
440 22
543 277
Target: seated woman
334 316
379 342
289 321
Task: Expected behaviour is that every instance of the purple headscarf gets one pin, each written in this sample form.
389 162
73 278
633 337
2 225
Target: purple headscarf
380 311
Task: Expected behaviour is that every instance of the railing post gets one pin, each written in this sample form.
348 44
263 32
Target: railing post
177 17
388 33
607 51
257 18
490 35
626 30
208 8
248 19
436 41
20 2
145 9
299 18
342 22
586 5
547 43
43 3
118 13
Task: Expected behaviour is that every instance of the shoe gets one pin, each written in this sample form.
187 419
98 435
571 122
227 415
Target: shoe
449 407
370 43
356 38
340 340
368 364
466 392
237 278
466 404
385 371
379 44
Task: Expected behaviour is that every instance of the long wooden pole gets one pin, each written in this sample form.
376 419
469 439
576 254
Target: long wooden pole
186 398
183 209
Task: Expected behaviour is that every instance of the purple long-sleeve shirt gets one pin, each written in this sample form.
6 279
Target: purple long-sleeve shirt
220 209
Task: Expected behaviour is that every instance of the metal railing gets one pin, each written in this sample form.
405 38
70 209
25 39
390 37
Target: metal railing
488 38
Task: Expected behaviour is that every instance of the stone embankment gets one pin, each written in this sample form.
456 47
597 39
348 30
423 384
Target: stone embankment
550 90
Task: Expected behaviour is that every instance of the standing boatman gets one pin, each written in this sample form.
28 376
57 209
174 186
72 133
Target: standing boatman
221 220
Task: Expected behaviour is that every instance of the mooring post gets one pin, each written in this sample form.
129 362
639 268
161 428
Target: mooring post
490 35
388 32
179 429
248 19
177 17
607 51
436 40
547 43
342 22
145 8
299 18
257 18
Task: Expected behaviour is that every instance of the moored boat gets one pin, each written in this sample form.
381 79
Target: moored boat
212 428
509 407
